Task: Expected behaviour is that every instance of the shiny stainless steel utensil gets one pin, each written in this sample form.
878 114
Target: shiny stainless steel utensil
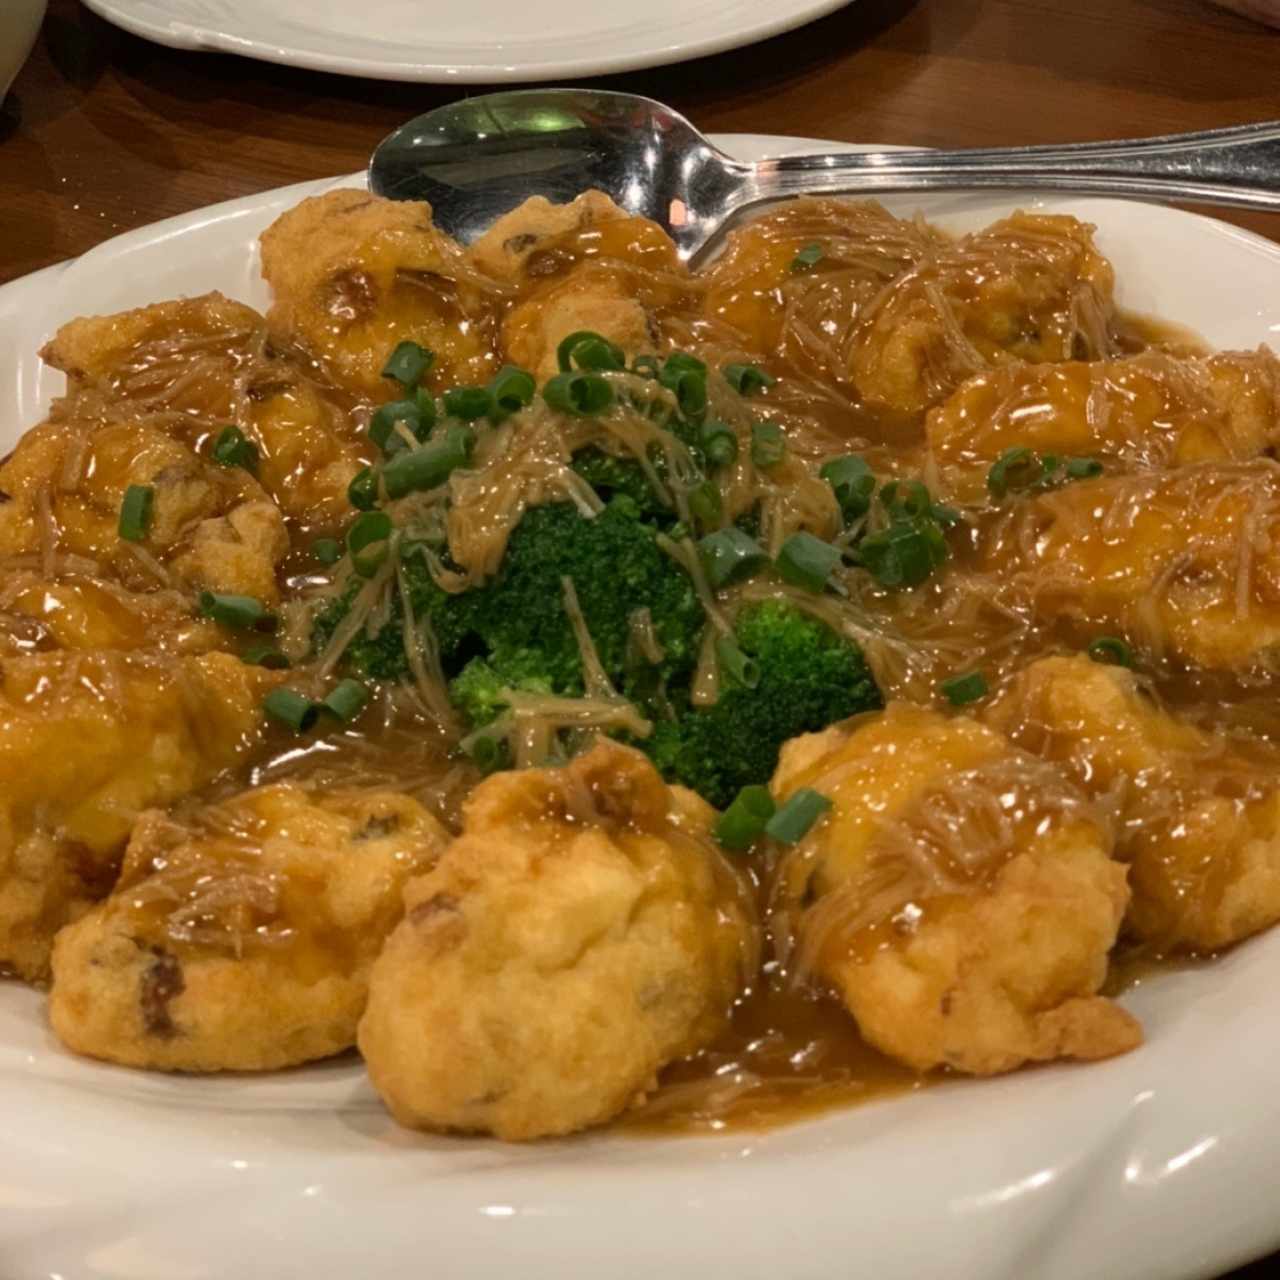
476 159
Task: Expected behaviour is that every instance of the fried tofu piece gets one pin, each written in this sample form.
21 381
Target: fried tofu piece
209 359
1151 410
1184 563
241 938
211 527
1031 287
582 932
960 895
87 742
760 279
1198 811
588 265
354 275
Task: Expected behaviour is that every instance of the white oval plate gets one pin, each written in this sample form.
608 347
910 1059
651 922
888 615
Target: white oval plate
500 41
1155 1166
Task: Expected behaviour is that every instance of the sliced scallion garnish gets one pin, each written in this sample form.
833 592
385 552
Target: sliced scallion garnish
720 444
807 258
796 817
291 708
367 541
853 483
962 690
362 492
747 379
417 470
408 364
243 613
807 562
729 555
327 550
591 352
583 395
136 511
741 668
1111 650
512 389
768 444
468 403
744 820
265 654
233 448
345 700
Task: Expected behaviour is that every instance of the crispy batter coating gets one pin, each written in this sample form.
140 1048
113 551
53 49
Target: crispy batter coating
1184 563
1199 812
211 527
960 895
88 741
585 265
758 281
241 939
1151 410
1030 287
581 933
209 360
353 275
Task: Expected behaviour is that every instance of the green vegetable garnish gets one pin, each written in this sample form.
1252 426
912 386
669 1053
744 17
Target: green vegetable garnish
720 444
729 555
417 470
346 700
135 512
468 403
233 449
1111 650
367 541
852 482
292 709
512 389
592 353
265 654
583 395
806 562
807 258
768 444
382 426
747 379
408 364
244 613
736 664
794 820
962 690
362 492
327 550
705 505
743 822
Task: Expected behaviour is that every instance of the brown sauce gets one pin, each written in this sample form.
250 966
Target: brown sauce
788 1052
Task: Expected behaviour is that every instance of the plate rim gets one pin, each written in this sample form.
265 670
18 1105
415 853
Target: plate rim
820 1156
203 37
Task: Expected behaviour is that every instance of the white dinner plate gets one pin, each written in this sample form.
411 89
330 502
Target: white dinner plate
1159 1165
499 41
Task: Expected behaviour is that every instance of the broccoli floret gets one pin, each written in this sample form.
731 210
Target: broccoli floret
809 678
611 476
517 622
477 690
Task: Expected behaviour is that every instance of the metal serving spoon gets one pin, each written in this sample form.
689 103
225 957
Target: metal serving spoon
476 159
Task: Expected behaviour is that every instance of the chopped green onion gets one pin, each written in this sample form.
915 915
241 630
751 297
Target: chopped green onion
327 550
853 484
346 700
417 470
904 554
807 562
265 654
792 822
291 708
745 670
382 426
589 351
768 444
907 499
512 389
408 364
705 504
468 403
1083 468
678 530
367 540
744 820
962 690
747 379
720 444
686 377
807 258
1112 650
135 512
581 394
1016 468
232 448
728 555
362 492
242 612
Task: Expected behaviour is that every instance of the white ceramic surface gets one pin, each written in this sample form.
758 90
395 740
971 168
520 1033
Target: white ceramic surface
19 23
1156 1166
444 41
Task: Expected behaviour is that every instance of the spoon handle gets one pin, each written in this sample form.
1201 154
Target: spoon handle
1238 166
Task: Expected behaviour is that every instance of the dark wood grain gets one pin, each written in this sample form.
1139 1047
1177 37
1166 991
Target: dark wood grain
104 132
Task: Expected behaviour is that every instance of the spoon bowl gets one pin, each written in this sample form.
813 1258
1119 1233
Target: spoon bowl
477 159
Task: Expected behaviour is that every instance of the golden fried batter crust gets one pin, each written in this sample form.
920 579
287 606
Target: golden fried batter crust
242 938
87 742
581 933
959 897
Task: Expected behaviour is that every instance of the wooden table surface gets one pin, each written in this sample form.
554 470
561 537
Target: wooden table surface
104 132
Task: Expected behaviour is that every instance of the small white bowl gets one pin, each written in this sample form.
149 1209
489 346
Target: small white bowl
19 22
